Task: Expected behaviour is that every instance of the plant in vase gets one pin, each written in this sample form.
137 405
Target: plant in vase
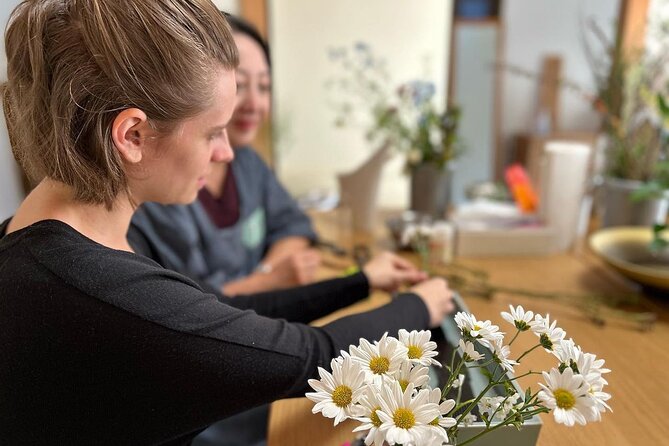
385 385
405 116
627 87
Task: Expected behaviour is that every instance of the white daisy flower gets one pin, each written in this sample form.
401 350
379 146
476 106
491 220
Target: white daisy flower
469 353
591 368
459 381
371 423
566 394
405 417
408 374
599 398
337 393
508 404
480 330
567 352
468 419
549 334
420 350
501 354
415 232
383 358
445 407
488 405
518 317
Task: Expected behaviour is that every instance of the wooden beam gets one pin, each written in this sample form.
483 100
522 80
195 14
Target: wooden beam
255 11
632 23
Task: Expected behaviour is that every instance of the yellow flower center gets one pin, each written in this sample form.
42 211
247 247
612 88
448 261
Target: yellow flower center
403 384
376 421
404 418
435 422
415 352
342 396
564 399
379 365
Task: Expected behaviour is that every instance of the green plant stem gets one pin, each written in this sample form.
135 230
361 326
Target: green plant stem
528 351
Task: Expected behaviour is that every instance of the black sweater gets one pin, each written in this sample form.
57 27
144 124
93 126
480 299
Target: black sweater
100 346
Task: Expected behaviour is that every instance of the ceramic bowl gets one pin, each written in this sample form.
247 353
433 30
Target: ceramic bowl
626 249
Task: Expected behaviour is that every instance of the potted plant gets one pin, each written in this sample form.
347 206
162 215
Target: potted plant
406 117
632 123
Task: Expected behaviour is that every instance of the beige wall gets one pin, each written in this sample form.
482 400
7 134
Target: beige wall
534 29
413 36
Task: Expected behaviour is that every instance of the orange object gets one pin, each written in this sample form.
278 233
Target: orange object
521 188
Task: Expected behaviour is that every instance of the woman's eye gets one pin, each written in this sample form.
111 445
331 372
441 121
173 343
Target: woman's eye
215 135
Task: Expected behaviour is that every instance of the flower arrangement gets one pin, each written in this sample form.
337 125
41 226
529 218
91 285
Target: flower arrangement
384 385
405 116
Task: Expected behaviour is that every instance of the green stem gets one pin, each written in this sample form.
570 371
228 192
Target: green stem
514 337
523 355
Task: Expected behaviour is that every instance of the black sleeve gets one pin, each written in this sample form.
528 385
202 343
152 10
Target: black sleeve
298 304
305 303
121 351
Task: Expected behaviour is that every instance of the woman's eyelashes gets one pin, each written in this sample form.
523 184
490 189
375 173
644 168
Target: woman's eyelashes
216 135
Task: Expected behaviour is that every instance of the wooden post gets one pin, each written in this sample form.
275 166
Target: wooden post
632 26
255 12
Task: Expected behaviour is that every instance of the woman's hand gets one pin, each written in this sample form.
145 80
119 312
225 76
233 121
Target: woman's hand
438 298
298 268
387 271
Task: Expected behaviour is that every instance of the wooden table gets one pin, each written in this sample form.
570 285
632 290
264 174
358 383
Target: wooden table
638 383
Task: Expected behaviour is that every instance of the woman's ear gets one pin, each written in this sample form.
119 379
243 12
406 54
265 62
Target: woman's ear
130 131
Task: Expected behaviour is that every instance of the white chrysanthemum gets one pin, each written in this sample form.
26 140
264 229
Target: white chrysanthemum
406 417
383 358
600 398
566 394
591 368
371 423
337 393
420 350
468 419
445 407
508 404
501 354
410 374
459 381
482 331
414 232
518 317
469 352
549 334
567 352
488 405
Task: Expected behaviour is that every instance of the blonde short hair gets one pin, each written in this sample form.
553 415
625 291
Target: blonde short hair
74 64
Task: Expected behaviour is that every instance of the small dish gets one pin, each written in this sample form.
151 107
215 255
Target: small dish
626 249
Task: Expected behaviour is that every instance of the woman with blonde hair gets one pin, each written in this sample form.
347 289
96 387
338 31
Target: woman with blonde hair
113 103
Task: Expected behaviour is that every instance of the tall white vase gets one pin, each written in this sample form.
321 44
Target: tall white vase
359 189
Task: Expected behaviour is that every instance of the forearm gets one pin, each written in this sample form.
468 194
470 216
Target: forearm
308 302
257 282
284 247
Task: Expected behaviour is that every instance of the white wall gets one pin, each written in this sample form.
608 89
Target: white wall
535 28
11 191
404 32
229 6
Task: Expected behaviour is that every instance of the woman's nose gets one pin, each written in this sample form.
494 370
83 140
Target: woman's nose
223 152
